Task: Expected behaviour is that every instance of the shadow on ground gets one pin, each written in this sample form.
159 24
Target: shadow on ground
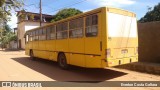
52 70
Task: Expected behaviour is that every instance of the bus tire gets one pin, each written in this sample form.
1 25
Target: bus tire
62 61
32 55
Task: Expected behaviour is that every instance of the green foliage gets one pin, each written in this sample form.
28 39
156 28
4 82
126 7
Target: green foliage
7 29
2 2
22 15
152 15
11 36
31 16
8 35
6 6
66 13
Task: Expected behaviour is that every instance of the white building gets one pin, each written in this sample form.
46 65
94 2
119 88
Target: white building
27 21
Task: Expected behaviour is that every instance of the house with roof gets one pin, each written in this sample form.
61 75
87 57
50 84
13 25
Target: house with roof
27 21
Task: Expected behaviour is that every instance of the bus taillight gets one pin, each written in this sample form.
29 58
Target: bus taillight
108 52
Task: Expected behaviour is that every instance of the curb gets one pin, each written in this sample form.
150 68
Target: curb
152 68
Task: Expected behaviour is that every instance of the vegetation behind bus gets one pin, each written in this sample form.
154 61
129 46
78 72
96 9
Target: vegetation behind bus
7 36
65 13
152 14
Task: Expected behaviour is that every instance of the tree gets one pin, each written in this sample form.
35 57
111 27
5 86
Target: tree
66 13
152 15
22 15
5 11
6 6
7 29
2 2
31 16
8 36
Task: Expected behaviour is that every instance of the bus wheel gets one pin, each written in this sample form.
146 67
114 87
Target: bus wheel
32 55
62 61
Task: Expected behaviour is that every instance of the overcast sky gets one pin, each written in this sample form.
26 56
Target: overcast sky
52 6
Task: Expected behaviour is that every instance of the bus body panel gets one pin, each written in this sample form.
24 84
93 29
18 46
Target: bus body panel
104 26
76 47
42 45
93 46
35 45
62 45
51 47
93 61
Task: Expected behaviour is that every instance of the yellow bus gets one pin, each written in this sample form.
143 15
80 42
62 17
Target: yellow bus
103 37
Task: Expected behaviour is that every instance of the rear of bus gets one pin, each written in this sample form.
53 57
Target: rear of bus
122 38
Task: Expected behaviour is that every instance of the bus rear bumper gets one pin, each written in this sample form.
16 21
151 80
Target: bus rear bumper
119 61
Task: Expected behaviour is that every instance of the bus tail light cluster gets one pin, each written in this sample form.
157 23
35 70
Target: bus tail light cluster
108 52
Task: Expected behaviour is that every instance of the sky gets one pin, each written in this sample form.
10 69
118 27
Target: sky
51 7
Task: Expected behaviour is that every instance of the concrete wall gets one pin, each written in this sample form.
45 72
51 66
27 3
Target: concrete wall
20 32
149 42
12 45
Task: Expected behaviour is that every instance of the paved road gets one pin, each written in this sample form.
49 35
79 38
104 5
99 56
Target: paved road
15 66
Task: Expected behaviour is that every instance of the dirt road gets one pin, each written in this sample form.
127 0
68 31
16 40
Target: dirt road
15 66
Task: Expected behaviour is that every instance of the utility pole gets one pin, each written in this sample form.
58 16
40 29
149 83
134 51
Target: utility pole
40 5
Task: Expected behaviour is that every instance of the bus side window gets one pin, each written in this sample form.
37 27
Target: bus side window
30 36
53 32
36 35
27 38
40 34
48 33
76 28
43 34
91 26
62 30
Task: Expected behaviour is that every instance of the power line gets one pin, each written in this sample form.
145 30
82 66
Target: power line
31 5
58 8
67 6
